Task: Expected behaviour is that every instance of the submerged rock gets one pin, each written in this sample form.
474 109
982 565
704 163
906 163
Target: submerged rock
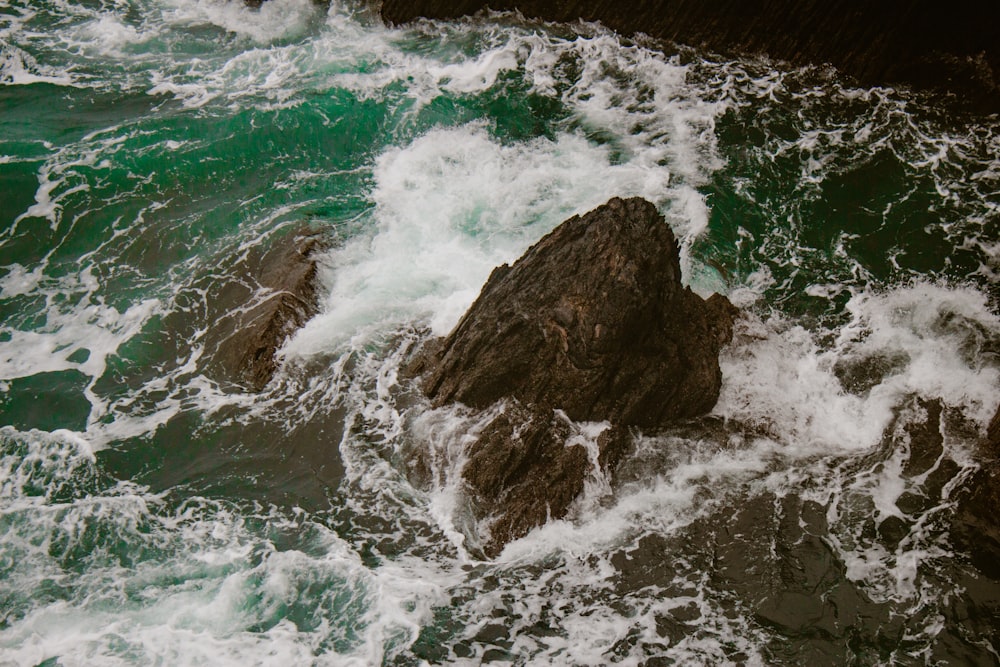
593 322
283 299
521 470
934 479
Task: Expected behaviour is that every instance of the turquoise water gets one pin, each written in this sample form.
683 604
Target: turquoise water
153 513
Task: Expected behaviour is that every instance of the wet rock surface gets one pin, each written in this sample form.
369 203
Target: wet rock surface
926 443
591 324
282 298
772 556
522 463
948 46
784 558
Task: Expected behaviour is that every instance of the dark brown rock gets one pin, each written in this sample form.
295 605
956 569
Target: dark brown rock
592 320
952 46
926 441
283 299
919 432
591 323
520 463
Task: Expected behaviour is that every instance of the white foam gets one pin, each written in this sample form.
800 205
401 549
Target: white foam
272 74
19 68
477 74
45 461
200 582
108 35
451 206
446 433
778 378
44 206
641 97
102 328
19 280
64 174
82 340
192 95
940 331
274 20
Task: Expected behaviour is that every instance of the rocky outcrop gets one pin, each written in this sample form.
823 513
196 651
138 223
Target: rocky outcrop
282 300
591 323
934 478
954 46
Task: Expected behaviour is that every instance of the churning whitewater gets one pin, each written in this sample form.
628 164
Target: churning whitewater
151 513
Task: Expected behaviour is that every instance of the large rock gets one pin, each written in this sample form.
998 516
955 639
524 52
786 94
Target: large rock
591 323
592 320
927 43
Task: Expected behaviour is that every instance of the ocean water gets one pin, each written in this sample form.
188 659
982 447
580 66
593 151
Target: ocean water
151 513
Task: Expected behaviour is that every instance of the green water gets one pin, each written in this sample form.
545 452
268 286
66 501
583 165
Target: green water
152 512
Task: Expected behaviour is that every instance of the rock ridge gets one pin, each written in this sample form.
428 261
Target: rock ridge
282 299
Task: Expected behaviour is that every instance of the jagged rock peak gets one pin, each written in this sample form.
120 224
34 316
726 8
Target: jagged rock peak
592 320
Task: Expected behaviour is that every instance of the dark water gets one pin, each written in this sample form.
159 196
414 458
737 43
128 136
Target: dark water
151 513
